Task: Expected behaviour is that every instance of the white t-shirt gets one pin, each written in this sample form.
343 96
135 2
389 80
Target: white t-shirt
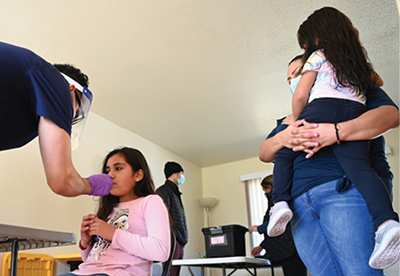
325 85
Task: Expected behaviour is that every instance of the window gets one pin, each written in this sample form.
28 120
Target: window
257 203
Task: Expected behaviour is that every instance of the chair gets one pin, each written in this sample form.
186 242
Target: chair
194 271
29 264
157 269
167 264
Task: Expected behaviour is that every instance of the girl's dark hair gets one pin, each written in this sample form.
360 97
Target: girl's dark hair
142 188
333 32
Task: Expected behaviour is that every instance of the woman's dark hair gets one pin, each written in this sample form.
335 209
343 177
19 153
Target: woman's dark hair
333 32
142 188
296 58
74 73
267 181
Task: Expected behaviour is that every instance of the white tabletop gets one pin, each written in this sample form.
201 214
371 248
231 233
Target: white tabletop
221 261
30 238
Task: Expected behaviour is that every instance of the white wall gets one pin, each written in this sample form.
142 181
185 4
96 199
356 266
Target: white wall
27 201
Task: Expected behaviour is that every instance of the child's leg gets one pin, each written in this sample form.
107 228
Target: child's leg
280 213
355 162
282 174
283 170
354 159
387 246
357 167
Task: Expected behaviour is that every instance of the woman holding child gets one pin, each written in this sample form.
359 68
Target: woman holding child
332 225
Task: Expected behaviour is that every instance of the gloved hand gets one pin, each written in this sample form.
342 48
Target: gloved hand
101 184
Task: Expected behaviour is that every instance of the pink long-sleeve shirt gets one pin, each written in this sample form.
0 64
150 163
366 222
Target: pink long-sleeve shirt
142 236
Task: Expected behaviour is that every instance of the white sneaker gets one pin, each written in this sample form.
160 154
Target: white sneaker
279 216
387 246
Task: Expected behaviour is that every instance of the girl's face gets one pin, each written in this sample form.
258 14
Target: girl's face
123 177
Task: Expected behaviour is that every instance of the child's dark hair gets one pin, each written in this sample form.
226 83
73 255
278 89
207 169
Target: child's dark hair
142 188
74 73
333 32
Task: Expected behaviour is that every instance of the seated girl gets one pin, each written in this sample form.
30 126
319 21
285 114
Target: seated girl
131 228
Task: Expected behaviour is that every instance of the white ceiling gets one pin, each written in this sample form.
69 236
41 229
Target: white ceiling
205 79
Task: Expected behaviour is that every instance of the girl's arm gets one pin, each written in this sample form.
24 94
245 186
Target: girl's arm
156 245
377 79
300 96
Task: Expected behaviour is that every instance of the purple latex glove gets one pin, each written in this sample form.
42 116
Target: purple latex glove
101 184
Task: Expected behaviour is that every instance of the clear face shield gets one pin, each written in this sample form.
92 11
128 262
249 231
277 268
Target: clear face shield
83 99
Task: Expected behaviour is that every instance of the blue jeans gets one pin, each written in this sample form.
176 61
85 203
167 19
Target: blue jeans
333 233
353 156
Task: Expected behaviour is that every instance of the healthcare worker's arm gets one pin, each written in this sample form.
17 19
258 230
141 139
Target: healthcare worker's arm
55 148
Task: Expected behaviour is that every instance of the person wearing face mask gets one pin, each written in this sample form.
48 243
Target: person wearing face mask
171 195
335 79
323 169
333 104
279 250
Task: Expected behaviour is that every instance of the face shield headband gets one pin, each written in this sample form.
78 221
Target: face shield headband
84 99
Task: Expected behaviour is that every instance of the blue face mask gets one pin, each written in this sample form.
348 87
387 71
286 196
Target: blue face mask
181 180
293 84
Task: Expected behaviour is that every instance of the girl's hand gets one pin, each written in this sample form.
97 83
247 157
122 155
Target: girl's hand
288 120
101 228
256 251
252 229
85 235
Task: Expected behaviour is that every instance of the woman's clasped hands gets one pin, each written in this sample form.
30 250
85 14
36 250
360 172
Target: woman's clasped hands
311 137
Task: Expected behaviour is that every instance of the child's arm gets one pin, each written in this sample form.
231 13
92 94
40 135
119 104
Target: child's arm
288 120
377 79
84 243
300 96
155 244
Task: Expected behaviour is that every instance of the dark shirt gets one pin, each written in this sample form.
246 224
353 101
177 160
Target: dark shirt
172 197
30 88
280 247
324 166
